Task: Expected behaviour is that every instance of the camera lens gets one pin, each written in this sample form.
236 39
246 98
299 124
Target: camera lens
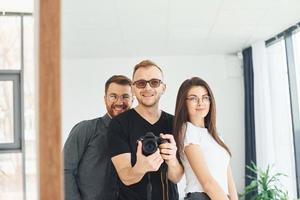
149 147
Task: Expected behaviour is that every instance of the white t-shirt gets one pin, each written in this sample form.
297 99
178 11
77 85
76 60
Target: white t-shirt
216 158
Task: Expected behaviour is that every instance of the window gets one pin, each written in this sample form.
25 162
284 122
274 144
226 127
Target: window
6 112
296 42
18 172
10 111
296 116
284 51
10 40
281 119
11 185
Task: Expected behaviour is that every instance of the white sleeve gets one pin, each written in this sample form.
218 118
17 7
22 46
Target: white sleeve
192 136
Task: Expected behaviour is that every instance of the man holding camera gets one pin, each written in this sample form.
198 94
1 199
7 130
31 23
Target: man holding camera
145 176
89 173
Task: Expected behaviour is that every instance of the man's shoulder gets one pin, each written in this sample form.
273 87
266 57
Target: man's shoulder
88 122
82 131
85 126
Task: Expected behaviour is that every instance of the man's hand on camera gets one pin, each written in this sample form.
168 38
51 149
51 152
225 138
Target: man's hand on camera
168 150
147 163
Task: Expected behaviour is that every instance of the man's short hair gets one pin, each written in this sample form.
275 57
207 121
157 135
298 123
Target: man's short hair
118 79
145 64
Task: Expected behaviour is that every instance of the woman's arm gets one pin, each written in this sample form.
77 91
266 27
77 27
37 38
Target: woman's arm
197 161
231 185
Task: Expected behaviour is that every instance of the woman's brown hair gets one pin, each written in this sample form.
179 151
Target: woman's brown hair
182 116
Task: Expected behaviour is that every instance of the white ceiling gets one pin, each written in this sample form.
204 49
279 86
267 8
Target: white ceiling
121 28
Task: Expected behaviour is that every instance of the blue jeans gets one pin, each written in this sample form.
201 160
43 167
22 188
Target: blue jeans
196 196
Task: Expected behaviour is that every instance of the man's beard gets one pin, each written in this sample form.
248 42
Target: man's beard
112 111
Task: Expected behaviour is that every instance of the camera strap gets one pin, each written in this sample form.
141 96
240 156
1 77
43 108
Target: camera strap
149 187
164 181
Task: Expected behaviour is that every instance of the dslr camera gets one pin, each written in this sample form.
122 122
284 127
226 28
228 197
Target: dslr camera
150 143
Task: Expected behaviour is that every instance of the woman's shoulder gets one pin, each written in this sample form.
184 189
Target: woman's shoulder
190 127
194 134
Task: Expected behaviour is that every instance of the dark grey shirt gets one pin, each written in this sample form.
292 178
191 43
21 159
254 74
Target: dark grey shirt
89 173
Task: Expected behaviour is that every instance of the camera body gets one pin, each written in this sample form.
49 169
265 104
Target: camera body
150 143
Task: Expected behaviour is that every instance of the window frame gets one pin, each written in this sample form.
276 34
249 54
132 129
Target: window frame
15 77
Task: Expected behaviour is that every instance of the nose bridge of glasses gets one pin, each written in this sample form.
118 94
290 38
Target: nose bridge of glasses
200 100
148 84
117 98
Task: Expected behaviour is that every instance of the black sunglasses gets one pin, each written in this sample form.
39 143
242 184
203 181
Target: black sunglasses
154 83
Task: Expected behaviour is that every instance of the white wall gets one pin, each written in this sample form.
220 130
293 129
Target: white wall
83 90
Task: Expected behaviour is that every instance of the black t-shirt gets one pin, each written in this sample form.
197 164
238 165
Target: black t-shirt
124 131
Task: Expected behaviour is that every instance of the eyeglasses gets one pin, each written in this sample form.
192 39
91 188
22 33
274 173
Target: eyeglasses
114 97
154 83
195 100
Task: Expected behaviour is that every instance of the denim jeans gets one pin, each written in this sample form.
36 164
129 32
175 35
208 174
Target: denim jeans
196 196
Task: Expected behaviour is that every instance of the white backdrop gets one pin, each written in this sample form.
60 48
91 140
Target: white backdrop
83 90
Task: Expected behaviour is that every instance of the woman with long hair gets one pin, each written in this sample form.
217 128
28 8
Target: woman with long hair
203 153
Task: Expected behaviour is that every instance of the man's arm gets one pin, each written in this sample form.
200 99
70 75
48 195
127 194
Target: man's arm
133 174
73 151
168 152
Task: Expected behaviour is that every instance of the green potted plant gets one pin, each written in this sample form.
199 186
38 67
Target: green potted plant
265 186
